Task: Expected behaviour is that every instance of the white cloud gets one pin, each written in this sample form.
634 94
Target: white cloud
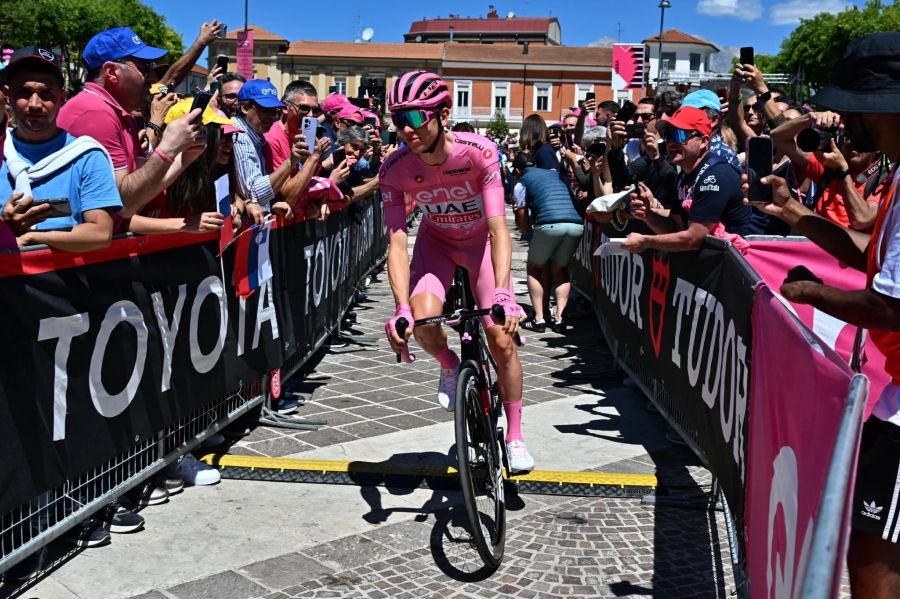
604 42
790 13
746 10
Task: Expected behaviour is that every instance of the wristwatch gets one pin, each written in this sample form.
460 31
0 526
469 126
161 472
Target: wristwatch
841 174
765 97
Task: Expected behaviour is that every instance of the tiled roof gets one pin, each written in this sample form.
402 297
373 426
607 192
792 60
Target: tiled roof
259 34
366 50
199 70
537 54
673 36
483 25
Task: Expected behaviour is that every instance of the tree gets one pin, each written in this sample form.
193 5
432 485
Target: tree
67 25
817 44
497 126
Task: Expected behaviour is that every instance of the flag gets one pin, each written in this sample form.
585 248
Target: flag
223 197
252 266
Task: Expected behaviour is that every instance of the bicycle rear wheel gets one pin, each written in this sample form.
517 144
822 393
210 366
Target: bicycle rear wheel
480 467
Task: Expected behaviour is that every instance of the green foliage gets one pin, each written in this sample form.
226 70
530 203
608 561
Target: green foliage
67 25
817 44
497 126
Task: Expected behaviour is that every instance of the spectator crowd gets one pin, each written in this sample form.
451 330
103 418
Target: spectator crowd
127 155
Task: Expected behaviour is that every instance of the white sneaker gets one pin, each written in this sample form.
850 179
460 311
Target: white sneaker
520 461
447 388
193 472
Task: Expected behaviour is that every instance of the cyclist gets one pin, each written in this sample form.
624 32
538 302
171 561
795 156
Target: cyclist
454 177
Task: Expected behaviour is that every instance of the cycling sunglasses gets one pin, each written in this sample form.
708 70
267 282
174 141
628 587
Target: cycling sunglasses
674 135
412 118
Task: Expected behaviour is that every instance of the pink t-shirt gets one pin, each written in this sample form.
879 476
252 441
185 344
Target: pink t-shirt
279 143
94 112
456 197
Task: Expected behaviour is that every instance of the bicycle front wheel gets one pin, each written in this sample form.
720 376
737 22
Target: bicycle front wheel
480 466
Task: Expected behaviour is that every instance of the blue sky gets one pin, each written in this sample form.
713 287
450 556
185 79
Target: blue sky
759 23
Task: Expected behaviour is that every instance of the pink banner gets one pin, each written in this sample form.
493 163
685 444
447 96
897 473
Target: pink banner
245 53
797 395
627 66
773 259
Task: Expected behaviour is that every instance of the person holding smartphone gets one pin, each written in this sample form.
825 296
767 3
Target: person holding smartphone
709 202
71 207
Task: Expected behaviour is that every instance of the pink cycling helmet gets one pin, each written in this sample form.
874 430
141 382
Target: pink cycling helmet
418 90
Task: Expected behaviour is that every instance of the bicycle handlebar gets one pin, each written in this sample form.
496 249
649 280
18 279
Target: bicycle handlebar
496 312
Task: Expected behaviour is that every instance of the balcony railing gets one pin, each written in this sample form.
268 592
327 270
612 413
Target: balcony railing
484 113
699 77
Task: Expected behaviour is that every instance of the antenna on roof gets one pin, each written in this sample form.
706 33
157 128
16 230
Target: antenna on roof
510 15
367 34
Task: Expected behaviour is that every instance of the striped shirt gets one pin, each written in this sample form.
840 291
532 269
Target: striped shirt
253 164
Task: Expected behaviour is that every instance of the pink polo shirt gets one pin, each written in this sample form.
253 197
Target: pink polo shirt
279 143
94 112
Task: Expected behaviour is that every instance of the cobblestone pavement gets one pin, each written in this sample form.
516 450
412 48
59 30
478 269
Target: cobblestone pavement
407 543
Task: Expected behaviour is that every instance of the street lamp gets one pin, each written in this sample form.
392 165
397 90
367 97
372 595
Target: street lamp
663 5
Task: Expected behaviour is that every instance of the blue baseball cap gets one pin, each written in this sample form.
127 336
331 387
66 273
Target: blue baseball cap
116 44
262 92
703 98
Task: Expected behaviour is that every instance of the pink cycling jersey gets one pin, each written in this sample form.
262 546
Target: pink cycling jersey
456 197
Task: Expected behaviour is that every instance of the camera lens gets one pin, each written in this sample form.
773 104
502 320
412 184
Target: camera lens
814 140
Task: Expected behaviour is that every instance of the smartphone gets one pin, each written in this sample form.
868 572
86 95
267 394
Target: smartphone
747 55
370 120
598 148
59 207
338 156
320 131
392 138
201 101
222 63
385 138
224 30
333 89
215 86
722 92
570 140
626 111
308 127
589 96
760 155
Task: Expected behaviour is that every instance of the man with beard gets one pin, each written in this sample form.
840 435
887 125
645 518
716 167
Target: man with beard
118 64
79 169
847 181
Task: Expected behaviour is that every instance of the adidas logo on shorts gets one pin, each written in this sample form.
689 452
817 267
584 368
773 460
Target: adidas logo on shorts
870 510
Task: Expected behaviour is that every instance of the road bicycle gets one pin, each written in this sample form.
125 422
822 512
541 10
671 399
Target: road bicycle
480 442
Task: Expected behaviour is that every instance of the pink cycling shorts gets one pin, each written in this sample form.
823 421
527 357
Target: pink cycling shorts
434 263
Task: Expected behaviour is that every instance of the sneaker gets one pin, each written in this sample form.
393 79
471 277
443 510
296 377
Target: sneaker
28 568
535 326
338 342
122 520
214 440
90 533
151 493
193 472
237 430
285 405
520 461
171 484
559 326
447 388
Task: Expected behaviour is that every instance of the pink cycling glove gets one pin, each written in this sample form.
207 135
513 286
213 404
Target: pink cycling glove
403 311
508 302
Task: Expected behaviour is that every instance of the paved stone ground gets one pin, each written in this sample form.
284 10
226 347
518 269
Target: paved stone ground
407 544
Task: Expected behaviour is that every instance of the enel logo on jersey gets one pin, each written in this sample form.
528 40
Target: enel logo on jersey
455 192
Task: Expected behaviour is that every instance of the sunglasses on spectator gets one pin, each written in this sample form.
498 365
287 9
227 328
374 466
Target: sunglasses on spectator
645 116
412 118
299 107
756 106
142 68
679 136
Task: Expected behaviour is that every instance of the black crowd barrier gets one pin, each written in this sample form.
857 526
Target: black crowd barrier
109 353
680 324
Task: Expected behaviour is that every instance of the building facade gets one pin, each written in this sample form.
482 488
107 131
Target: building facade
517 79
685 58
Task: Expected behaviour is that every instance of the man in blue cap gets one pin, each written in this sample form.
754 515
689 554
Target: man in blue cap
259 181
118 63
707 101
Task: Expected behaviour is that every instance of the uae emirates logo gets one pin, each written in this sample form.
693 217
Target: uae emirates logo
870 510
419 178
487 153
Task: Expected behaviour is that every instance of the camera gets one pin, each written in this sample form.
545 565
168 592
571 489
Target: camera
818 140
635 130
